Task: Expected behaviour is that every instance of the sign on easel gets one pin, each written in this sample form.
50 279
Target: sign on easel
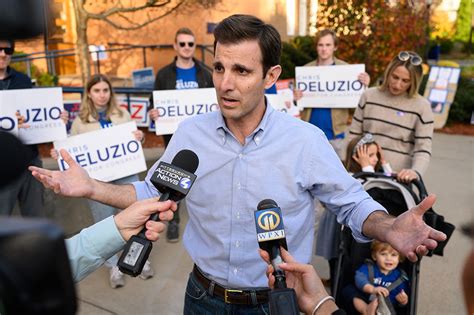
440 91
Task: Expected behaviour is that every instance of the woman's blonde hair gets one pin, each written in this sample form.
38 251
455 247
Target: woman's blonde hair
415 71
87 107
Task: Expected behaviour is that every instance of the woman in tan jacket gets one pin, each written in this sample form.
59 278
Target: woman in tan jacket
99 109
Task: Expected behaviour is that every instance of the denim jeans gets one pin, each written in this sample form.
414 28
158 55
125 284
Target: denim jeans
198 301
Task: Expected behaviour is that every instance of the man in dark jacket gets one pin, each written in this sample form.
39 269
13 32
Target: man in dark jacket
185 72
25 189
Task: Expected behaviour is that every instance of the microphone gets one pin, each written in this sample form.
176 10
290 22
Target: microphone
270 236
173 181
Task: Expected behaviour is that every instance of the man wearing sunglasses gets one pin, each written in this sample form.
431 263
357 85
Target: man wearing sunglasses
25 189
185 72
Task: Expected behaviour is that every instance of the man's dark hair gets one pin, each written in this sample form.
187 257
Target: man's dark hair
11 41
183 30
239 27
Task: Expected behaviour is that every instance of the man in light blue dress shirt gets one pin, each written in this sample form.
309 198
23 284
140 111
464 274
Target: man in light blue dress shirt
249 152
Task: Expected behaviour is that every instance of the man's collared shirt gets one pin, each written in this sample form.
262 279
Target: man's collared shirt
284 159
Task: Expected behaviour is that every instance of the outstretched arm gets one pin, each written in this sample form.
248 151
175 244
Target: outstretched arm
75 182
88 250
407 233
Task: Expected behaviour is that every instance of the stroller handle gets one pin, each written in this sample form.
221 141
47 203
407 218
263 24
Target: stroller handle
419 184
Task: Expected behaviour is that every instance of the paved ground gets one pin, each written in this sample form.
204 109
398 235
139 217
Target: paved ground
450 176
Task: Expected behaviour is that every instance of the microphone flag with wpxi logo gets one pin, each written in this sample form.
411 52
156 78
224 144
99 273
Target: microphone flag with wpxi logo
177 177
269 224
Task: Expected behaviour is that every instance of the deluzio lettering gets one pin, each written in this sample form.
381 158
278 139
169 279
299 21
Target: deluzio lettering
42 114
105 154
7 123
330 86
186 110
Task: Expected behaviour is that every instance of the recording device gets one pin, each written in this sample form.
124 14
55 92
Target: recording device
35 275
173 181
270 236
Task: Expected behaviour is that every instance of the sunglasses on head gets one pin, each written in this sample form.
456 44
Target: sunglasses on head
7 50
415 60
190 44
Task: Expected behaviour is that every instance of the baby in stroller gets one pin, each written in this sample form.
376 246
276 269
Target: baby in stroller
379 278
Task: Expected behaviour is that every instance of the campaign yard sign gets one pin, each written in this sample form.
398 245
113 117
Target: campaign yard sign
107 154
143 78
330 86
174 106
42 111
138 108
8 119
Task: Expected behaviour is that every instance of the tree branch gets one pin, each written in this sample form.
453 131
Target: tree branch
116 10
137 26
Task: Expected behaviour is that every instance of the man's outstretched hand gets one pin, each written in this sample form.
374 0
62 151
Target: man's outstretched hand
73 182
410 235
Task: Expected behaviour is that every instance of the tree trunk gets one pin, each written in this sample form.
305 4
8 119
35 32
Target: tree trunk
82 45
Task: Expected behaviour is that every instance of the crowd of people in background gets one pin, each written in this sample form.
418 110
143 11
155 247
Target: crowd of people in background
391 132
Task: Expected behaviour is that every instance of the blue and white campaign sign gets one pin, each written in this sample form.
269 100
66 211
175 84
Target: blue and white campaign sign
42 111
284 103
330 86
107 154
143 78
8 119
174 106
138 108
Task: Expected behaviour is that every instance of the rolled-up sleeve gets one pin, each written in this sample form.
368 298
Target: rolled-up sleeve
337 189
89 249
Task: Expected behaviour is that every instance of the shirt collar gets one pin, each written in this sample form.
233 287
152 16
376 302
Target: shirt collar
256 135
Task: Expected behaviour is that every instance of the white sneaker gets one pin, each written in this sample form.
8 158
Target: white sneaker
147 271
116 278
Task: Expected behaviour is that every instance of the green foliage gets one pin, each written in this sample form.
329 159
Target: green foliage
42 78
446 46
463 105
373 31
292 57
463 22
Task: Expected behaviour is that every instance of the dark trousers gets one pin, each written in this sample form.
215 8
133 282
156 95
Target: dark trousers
27 190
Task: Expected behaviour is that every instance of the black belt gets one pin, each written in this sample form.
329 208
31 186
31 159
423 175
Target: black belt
231 296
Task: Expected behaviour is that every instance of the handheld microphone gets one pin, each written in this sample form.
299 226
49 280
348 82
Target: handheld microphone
270 236
173 181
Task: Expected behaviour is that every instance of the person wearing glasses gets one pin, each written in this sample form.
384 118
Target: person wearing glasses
185 72
399 118
25 188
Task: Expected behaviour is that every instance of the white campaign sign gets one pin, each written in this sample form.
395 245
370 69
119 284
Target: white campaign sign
174 106
107 154
42 110
8 119
330 86
283 103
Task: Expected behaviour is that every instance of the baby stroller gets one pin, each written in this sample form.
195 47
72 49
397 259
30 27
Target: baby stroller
396 198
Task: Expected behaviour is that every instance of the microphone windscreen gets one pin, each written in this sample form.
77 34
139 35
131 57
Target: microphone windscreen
187 160
14 159
267 204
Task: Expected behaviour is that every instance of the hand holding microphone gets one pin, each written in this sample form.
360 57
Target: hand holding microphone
173 181
270 236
